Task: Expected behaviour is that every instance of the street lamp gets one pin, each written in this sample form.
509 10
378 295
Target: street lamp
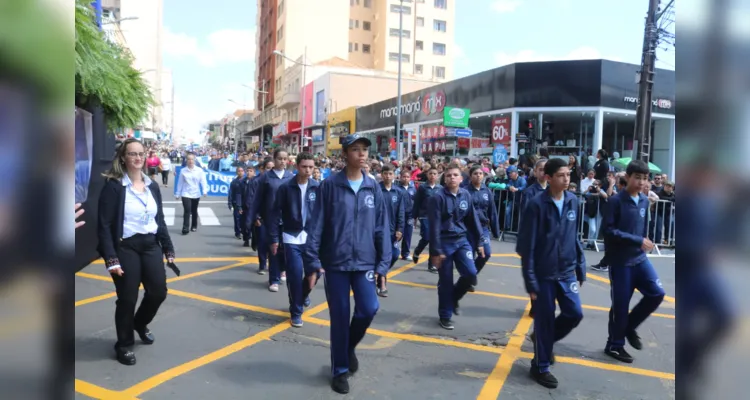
304 100
400 56
262 107
117 21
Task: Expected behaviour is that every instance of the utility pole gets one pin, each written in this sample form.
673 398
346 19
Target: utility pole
262 116
304 104
398 104
171 127
646 84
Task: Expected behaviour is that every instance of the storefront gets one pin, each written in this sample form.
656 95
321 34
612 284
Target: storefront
340 123
571 107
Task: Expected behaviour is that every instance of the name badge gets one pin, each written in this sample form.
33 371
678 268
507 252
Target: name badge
145 219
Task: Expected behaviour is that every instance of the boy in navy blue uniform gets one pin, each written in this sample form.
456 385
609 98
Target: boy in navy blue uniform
350 241
410 191
626 233
295 201
425 191
484 207
452 221
553 265
262 210
234 201
394 197
246 231
539 186
258 230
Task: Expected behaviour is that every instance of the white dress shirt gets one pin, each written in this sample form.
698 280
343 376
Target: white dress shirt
136 213
302 236
192 183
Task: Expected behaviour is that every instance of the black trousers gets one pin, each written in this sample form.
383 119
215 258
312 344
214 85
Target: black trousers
142 262
165 177
189 207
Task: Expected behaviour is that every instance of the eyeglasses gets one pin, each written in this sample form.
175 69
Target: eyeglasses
134 154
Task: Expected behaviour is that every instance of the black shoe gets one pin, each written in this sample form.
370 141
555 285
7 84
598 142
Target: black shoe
353 362
184 232
471 289
415 258
145 334
193 229
619 354
432 269
245 244
125 356
446 324
456 309
238 237
340 384
600 268
531 311
634 340
545 379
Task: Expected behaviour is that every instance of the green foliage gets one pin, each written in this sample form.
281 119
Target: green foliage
104 72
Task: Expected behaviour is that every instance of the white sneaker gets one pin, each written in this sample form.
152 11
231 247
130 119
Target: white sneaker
283 276
274 288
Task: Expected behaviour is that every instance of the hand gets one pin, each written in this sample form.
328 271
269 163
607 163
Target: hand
380 279
170 259
116 271
647 245
230 206
78 214
240 211
580 284
311 279
177 197
274 248
513 189
481 252
398 236
437 261
532 296
257 222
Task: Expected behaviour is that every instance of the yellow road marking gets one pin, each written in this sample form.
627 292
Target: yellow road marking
494 383
195 259
234 304
95 299
513 297
212 270
608 367
156 380
97 392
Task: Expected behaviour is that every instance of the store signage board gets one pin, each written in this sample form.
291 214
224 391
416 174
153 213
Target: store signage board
456 117
463 133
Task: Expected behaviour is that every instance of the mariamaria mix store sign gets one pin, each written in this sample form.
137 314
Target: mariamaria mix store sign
428 104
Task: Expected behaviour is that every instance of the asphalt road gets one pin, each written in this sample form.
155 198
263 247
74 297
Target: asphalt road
221 334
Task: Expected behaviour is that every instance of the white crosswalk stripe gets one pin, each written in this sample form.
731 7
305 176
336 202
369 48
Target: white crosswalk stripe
206 216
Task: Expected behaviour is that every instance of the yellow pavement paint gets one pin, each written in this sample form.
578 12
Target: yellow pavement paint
512 255
196 259
212 270
503 265
242 306
98 392
608 366
182 369
95 299
94 276
494 383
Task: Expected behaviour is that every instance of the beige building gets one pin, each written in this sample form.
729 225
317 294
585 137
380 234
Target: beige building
363 32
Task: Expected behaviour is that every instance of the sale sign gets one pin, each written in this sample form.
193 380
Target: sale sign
501 130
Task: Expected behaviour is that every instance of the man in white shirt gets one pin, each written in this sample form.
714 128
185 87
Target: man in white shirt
191 183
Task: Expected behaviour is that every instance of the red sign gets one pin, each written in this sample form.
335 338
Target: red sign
433 103
501 130
480 143
441 131
464 143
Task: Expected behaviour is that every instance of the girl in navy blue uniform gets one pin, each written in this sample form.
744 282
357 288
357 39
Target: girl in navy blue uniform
425 191
394 198
553 266
625 229
258 230
486 211
453 222
410 192
350 242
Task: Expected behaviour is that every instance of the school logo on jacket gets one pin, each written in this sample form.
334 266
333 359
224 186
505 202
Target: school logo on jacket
571 215
574 287
485 196
394 198
370 275
470 255
643 212
370 201
311 196
463 205
410 222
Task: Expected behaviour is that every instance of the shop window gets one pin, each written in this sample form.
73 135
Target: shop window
438 49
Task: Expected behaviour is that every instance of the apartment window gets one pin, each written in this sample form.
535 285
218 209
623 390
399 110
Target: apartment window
356 23
442 4
279 60
350 47
420 21
440 72
280 9
356 46
439 25
351 24
280 34
404 33
403 9
438 49
366 25
394 57
418 69
419 45
366 48
368 3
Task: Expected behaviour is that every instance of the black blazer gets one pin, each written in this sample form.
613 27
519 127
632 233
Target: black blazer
111 214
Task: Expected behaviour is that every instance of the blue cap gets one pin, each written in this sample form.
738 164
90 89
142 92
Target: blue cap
512 168
349 140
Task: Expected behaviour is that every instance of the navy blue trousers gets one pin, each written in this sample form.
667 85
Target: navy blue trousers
462 286
406 238
294 278
275 262
262 246
424 233
460 253
549 329
345 335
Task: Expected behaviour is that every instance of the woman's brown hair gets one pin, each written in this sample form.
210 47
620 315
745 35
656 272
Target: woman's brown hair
118 163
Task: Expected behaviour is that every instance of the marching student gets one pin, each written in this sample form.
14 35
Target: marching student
626 231
133 241
234 200
394 198
262 209
258 230
484 206
539 186
410 191
553 265
349 240
452 221
295 201
419 212
246 230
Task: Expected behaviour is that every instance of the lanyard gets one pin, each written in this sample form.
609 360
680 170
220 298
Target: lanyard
145 203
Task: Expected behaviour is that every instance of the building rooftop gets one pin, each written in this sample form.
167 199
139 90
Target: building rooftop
338 62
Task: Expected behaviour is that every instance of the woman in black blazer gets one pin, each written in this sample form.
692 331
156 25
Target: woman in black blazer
132 238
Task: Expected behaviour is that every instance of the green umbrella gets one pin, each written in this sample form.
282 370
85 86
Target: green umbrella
622 163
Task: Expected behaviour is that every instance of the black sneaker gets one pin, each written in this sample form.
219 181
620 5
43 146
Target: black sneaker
456 309
634 340
545 379
432 269
184 232
446 324
600 268
619 354
340 384
145 334
193 229
353 362
471 289
415 258
238 237
245 244
531 310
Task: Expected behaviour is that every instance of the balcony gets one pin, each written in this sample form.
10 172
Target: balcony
289 100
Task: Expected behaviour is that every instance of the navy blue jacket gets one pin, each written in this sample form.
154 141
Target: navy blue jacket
265 196
410 192
250 189
527 194
550 247
288 208
451 218
484 206
236 192
396 210
349 230
419 210
625 225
